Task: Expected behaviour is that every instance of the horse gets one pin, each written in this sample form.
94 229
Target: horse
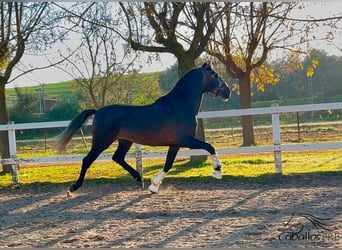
169 121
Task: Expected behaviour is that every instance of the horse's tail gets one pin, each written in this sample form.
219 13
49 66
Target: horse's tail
73 127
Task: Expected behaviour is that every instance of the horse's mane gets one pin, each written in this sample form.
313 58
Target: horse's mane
186 83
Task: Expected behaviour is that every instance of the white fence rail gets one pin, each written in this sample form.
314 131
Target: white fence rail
277 147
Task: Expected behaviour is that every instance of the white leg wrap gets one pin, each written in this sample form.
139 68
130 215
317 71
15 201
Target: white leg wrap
153 188
156 181
217 174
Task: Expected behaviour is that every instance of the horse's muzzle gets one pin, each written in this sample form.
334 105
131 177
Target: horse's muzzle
225 94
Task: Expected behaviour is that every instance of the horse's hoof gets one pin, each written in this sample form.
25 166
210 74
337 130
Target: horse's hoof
217 174
69 194
153 189
72 188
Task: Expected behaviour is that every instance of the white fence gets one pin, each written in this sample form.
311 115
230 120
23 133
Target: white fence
276 147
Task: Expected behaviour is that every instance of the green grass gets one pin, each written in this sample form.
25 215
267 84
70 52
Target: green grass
237 168
61 90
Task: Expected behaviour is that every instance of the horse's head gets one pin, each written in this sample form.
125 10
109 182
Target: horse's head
214 84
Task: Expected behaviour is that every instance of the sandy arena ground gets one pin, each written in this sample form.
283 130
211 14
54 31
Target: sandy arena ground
183 214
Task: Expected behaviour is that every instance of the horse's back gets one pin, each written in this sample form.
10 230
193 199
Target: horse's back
111 114
155 124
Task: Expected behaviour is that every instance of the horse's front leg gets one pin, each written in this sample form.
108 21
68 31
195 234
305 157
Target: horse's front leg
157 180
194 143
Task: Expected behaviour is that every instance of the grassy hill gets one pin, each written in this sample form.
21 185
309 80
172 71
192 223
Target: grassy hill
65 90
60 90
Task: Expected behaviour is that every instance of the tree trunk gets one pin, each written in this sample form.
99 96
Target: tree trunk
246 102
184 65
4 119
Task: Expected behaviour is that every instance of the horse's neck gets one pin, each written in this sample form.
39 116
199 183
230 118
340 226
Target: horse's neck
188 92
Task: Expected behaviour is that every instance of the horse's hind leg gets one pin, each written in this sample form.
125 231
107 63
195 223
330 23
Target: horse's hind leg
101 141
86 162
119 157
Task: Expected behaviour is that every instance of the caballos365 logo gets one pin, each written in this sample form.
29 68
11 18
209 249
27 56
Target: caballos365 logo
309 228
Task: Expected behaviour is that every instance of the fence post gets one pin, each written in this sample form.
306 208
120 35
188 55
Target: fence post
276 139
13 153
138 159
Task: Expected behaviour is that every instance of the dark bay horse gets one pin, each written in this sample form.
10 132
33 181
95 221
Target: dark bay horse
169 121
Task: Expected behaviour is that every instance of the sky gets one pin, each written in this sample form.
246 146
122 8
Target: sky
53 75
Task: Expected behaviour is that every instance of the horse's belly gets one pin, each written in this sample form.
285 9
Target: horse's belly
155 138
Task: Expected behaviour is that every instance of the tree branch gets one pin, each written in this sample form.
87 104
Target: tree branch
55 64
306 20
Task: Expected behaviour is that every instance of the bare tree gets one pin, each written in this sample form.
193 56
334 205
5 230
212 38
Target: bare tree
101 59
179 28
164 27
23 26
246 34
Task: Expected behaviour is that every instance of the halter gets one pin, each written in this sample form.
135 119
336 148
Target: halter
209 73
